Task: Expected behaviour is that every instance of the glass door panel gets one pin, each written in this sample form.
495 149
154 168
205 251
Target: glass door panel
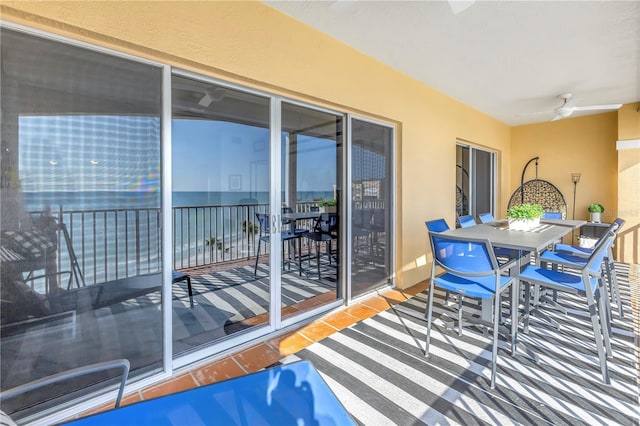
80 215
311 161
371 206
221 206
483 182
463 166
475 181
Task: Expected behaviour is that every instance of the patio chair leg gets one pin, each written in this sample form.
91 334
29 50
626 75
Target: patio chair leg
494 350
605 323
190 290
318 258
515 293
527 305
613 285
255 269
459 315
605 304
428 314
595 322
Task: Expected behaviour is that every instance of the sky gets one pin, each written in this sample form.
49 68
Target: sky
213 156
122 153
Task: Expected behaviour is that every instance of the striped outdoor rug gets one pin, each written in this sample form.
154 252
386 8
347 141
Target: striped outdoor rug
378 370
245 295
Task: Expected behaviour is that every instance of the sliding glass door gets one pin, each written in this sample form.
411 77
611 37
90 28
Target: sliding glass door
80 197
475 180
311 188
220 212
246 198
371 229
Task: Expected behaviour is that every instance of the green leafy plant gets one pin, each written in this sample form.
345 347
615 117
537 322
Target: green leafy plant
322 203
525 211
595 208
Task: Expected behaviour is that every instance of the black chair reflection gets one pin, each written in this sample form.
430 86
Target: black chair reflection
325 230
38 249
288 237
290 224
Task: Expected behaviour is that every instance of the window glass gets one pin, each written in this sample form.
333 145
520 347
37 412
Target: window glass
371 203
220 158
81 215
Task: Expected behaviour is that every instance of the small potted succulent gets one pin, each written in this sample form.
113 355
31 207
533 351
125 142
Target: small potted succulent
596 211
524 217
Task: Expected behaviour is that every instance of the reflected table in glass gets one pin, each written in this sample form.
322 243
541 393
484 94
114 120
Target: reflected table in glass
290 394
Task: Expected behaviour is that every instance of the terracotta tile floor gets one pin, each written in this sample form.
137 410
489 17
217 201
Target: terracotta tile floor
267 353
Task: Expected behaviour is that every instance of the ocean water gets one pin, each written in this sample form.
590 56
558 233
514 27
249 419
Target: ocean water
117 200
196 198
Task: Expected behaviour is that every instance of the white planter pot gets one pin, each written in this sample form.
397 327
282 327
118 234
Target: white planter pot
596 217
523 224
328 209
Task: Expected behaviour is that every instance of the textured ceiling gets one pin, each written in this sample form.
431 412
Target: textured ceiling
503 58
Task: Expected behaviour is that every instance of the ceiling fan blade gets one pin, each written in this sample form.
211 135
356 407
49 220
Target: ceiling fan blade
597 107
532 113
458 6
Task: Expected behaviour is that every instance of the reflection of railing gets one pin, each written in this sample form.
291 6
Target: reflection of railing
204 235
114 243
110 243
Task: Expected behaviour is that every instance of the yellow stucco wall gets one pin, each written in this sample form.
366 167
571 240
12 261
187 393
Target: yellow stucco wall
628 246
582 144
253 44
629 122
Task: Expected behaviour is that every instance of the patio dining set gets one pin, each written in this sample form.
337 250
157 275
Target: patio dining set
485 261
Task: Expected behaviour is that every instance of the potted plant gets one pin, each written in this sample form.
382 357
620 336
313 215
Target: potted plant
328 206
596 211
524 217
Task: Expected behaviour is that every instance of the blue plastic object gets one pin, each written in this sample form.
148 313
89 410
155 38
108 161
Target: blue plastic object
466 221
286 395
552 215
486 218
437 225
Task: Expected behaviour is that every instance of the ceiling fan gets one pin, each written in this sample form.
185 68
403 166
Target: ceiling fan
457 6
568 107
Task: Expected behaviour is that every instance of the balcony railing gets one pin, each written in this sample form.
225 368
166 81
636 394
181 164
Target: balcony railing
109 244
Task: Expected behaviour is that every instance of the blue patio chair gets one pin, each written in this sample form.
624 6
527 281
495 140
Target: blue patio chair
466 221
486 218
471 270
568 255
437 225
505 256
588 283
265 236
552 215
